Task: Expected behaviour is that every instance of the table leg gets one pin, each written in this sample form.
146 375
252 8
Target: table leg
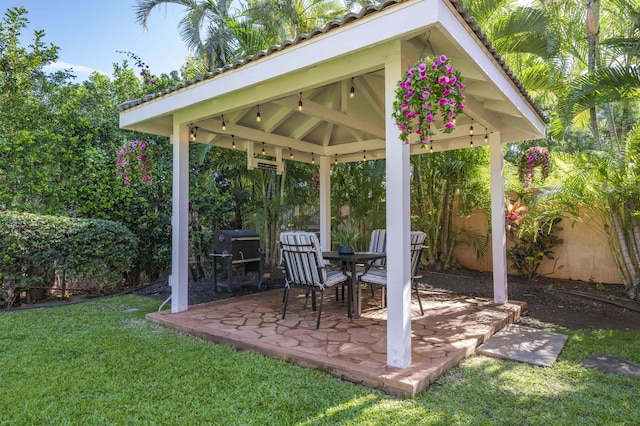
350 297
355 286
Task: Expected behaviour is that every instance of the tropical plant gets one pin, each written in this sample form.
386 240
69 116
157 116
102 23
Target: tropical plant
532 231
445 184
609 184
346 234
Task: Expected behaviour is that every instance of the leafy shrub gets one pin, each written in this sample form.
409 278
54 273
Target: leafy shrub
34 248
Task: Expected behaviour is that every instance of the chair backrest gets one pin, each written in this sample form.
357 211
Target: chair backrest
303 259
378 244
417 244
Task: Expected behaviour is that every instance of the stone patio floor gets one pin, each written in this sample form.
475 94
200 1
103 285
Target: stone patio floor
350 349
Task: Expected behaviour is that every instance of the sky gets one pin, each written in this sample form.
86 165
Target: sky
90 33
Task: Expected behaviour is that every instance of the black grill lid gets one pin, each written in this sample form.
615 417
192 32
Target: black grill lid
226 236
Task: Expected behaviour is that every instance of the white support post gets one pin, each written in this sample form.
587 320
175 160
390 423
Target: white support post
498 231
398 226
180 220
325 203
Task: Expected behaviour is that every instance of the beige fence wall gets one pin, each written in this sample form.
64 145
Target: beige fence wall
584 254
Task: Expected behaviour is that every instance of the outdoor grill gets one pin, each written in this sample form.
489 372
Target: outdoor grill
237 247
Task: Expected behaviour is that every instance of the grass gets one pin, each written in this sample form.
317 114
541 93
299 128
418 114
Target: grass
93 363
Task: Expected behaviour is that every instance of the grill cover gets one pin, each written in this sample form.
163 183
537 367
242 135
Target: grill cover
242 244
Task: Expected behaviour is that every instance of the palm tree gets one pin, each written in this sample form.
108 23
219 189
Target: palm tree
204 28
286 19
610 185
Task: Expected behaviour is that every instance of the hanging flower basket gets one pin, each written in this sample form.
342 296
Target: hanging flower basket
534 157
133 157
430 90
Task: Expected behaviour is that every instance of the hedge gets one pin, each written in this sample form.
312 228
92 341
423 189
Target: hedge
34 248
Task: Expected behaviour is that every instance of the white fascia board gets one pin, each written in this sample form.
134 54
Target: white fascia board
450 25
399 21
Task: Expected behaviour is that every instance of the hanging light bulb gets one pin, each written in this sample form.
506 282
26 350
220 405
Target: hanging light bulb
258 118
431 148
263 148
290 154
300 103
453 120
471 128
486 135
233 142
364 155
224 125
336 160
313 160
352 92
192 134
471 142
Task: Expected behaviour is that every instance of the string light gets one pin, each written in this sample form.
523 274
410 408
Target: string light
431 148
224 125
313 160
471 128
336 160
192 134
352 92
258 118
290 154
263 153
300 103
364 155
233 142
486 135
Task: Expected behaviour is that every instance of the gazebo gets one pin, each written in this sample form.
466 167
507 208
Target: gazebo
327 96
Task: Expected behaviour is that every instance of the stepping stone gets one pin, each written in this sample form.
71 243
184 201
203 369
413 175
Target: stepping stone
130 310
612 364
524 344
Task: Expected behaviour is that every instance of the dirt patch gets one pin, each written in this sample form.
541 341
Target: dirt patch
564 303
550 302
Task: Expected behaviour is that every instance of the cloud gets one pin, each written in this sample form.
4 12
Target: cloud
77 69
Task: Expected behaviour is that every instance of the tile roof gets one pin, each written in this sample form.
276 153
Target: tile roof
368 10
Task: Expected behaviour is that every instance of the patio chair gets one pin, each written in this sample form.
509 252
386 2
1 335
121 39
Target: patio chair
306 268
378 244
378 275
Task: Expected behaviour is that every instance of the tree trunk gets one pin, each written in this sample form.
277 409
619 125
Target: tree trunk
593 28
624 248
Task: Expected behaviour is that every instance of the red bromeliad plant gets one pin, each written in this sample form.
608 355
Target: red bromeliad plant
430 89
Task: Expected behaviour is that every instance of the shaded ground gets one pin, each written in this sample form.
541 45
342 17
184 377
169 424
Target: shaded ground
565 303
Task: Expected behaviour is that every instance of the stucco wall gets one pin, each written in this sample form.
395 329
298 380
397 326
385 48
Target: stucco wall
584 254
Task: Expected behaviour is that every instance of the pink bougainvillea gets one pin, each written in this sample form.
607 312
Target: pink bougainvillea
133 157
534 157
429 90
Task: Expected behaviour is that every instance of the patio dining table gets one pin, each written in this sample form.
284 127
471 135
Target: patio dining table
350 261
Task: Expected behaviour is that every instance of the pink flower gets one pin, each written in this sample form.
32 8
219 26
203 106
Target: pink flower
443 102
443 80
425 95
446 92
443 58
449 125
430 117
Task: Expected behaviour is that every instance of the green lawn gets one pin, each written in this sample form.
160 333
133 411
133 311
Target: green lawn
93 364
